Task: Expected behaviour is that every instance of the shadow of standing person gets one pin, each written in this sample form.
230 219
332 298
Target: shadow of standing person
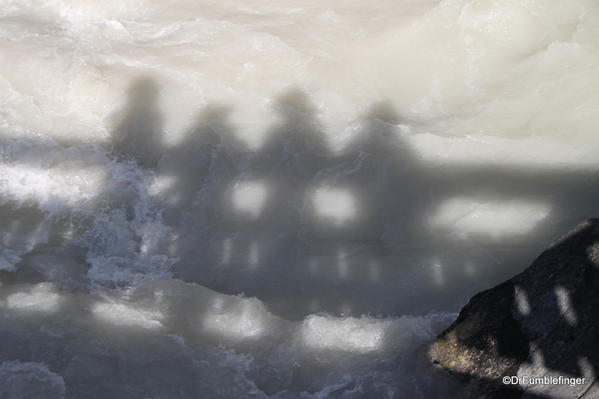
187 165
138 132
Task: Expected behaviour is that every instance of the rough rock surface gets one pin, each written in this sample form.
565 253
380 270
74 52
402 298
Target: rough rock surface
543 322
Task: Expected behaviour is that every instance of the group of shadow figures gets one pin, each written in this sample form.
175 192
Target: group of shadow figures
286 251
299 260
394 192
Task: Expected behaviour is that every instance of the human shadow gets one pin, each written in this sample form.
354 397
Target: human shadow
309 229
186 166
138 131
330 225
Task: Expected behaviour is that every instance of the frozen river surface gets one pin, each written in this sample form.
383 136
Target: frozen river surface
284 200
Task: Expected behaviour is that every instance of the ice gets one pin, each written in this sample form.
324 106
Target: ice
353 335
122 315
30 380
278 186
42 298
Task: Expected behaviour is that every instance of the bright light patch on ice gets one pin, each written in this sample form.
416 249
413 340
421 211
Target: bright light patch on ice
335 205
42 298
359 335
123 315
550 153
162 184
254 255
249 198
246 319
468 217
437 272
342 264
52 186
227 251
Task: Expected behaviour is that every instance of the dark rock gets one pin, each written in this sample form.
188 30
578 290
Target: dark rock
542 323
